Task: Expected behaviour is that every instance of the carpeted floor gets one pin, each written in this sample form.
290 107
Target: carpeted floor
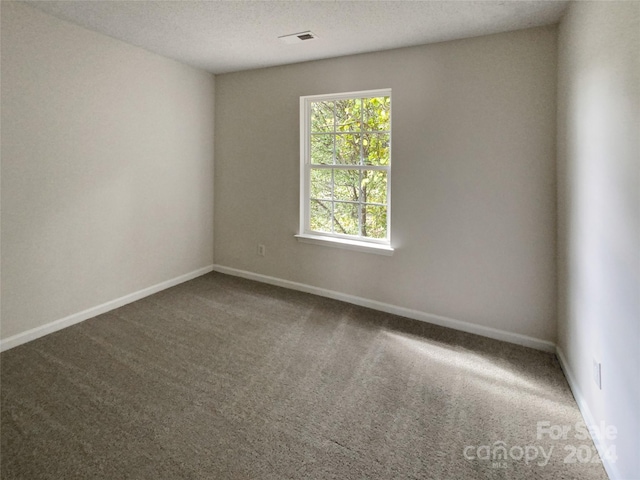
224 378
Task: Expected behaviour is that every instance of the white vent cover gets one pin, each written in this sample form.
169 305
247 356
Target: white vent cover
298 37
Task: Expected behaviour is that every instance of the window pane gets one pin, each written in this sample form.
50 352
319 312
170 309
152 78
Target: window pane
322 117
320 216
374 221
322 149
346 218
348 114
377 112
348 148
375 148
321 183
374 186
346 185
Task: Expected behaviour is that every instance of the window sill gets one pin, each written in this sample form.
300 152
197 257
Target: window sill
346 244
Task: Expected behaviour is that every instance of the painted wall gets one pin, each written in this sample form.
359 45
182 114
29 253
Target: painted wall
107 169
473 182
599 216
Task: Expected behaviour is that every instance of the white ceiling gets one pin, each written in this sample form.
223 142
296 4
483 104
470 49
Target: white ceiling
227 36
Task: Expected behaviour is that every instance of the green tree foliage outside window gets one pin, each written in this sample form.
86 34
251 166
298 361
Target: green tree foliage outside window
350 155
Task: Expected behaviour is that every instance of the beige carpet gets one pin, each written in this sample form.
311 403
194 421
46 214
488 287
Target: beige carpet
223 378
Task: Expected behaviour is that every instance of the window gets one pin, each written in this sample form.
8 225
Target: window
345 144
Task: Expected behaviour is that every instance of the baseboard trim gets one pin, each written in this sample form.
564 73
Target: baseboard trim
65 322
587 416
494 333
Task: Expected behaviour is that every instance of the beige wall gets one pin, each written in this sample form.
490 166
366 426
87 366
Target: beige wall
599 216
473 206
107 169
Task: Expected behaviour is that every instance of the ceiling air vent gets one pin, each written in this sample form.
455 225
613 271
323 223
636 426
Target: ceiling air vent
298 37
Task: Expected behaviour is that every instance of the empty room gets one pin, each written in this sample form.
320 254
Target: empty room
320 239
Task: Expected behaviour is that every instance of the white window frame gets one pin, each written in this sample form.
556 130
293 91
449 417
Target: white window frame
352 242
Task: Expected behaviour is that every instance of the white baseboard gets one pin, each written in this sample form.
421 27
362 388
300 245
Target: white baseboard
56 325
494 333
587 416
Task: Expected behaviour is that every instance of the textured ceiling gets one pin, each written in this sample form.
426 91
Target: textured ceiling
227 36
